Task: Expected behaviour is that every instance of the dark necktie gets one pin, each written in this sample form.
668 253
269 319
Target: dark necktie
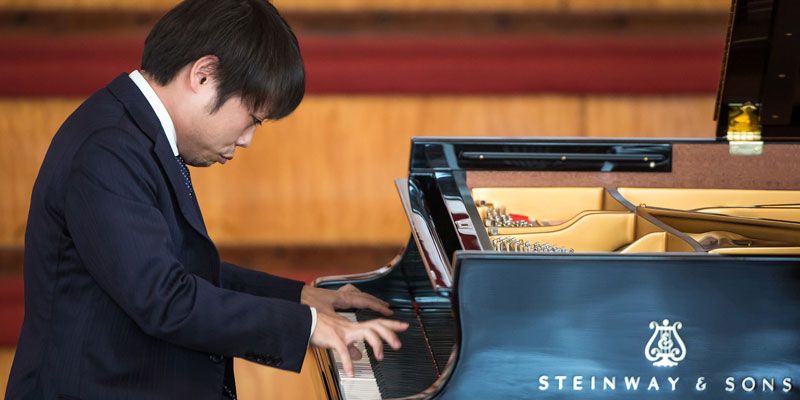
187 178
228 393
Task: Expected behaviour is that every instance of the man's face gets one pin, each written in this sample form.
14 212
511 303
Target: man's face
210 138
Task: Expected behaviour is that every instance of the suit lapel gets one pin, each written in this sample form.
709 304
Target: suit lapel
187 204
143 116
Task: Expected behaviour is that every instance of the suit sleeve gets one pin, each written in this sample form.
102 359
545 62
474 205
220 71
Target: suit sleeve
259 283
124 242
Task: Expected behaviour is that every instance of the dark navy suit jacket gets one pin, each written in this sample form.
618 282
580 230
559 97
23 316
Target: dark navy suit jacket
125 294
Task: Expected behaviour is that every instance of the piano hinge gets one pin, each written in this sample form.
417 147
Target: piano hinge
744 130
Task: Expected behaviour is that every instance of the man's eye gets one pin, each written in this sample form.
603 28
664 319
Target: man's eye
257 121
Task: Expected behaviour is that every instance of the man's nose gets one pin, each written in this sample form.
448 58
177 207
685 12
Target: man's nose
246 138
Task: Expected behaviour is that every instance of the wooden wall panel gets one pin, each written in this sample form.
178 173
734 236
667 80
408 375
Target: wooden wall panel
648 5
87 5
325 174
418 5
6 358
668 116
299 5
26 127
395 5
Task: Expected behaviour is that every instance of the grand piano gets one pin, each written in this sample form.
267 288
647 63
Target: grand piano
542 268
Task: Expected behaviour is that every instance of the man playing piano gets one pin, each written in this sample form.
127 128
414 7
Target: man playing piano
125 295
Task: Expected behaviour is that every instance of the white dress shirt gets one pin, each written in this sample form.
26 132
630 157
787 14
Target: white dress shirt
172 137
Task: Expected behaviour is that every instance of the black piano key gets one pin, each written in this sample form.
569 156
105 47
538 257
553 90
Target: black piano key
439 327
405 372
412 369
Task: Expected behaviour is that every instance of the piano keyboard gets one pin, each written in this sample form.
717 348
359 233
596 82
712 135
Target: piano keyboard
427 345
362 386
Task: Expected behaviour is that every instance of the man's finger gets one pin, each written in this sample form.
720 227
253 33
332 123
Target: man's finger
374 341
350 289
388 336
347 363
373 303
386 329
369 296
395 325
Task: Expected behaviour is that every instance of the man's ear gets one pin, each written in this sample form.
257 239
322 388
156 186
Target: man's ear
202 72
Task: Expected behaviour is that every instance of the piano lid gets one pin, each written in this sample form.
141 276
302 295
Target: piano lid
758 91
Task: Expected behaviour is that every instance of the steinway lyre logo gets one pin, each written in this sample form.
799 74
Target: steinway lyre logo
665 348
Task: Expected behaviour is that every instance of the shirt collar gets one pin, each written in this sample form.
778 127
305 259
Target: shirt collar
158 107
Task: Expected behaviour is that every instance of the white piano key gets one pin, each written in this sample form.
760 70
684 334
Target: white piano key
362 386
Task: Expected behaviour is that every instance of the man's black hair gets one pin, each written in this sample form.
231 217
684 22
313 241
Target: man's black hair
259 58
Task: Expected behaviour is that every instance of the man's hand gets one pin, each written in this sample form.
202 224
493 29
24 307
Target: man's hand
348 296
339 334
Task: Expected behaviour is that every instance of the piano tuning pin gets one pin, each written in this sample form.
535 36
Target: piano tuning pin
498 244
